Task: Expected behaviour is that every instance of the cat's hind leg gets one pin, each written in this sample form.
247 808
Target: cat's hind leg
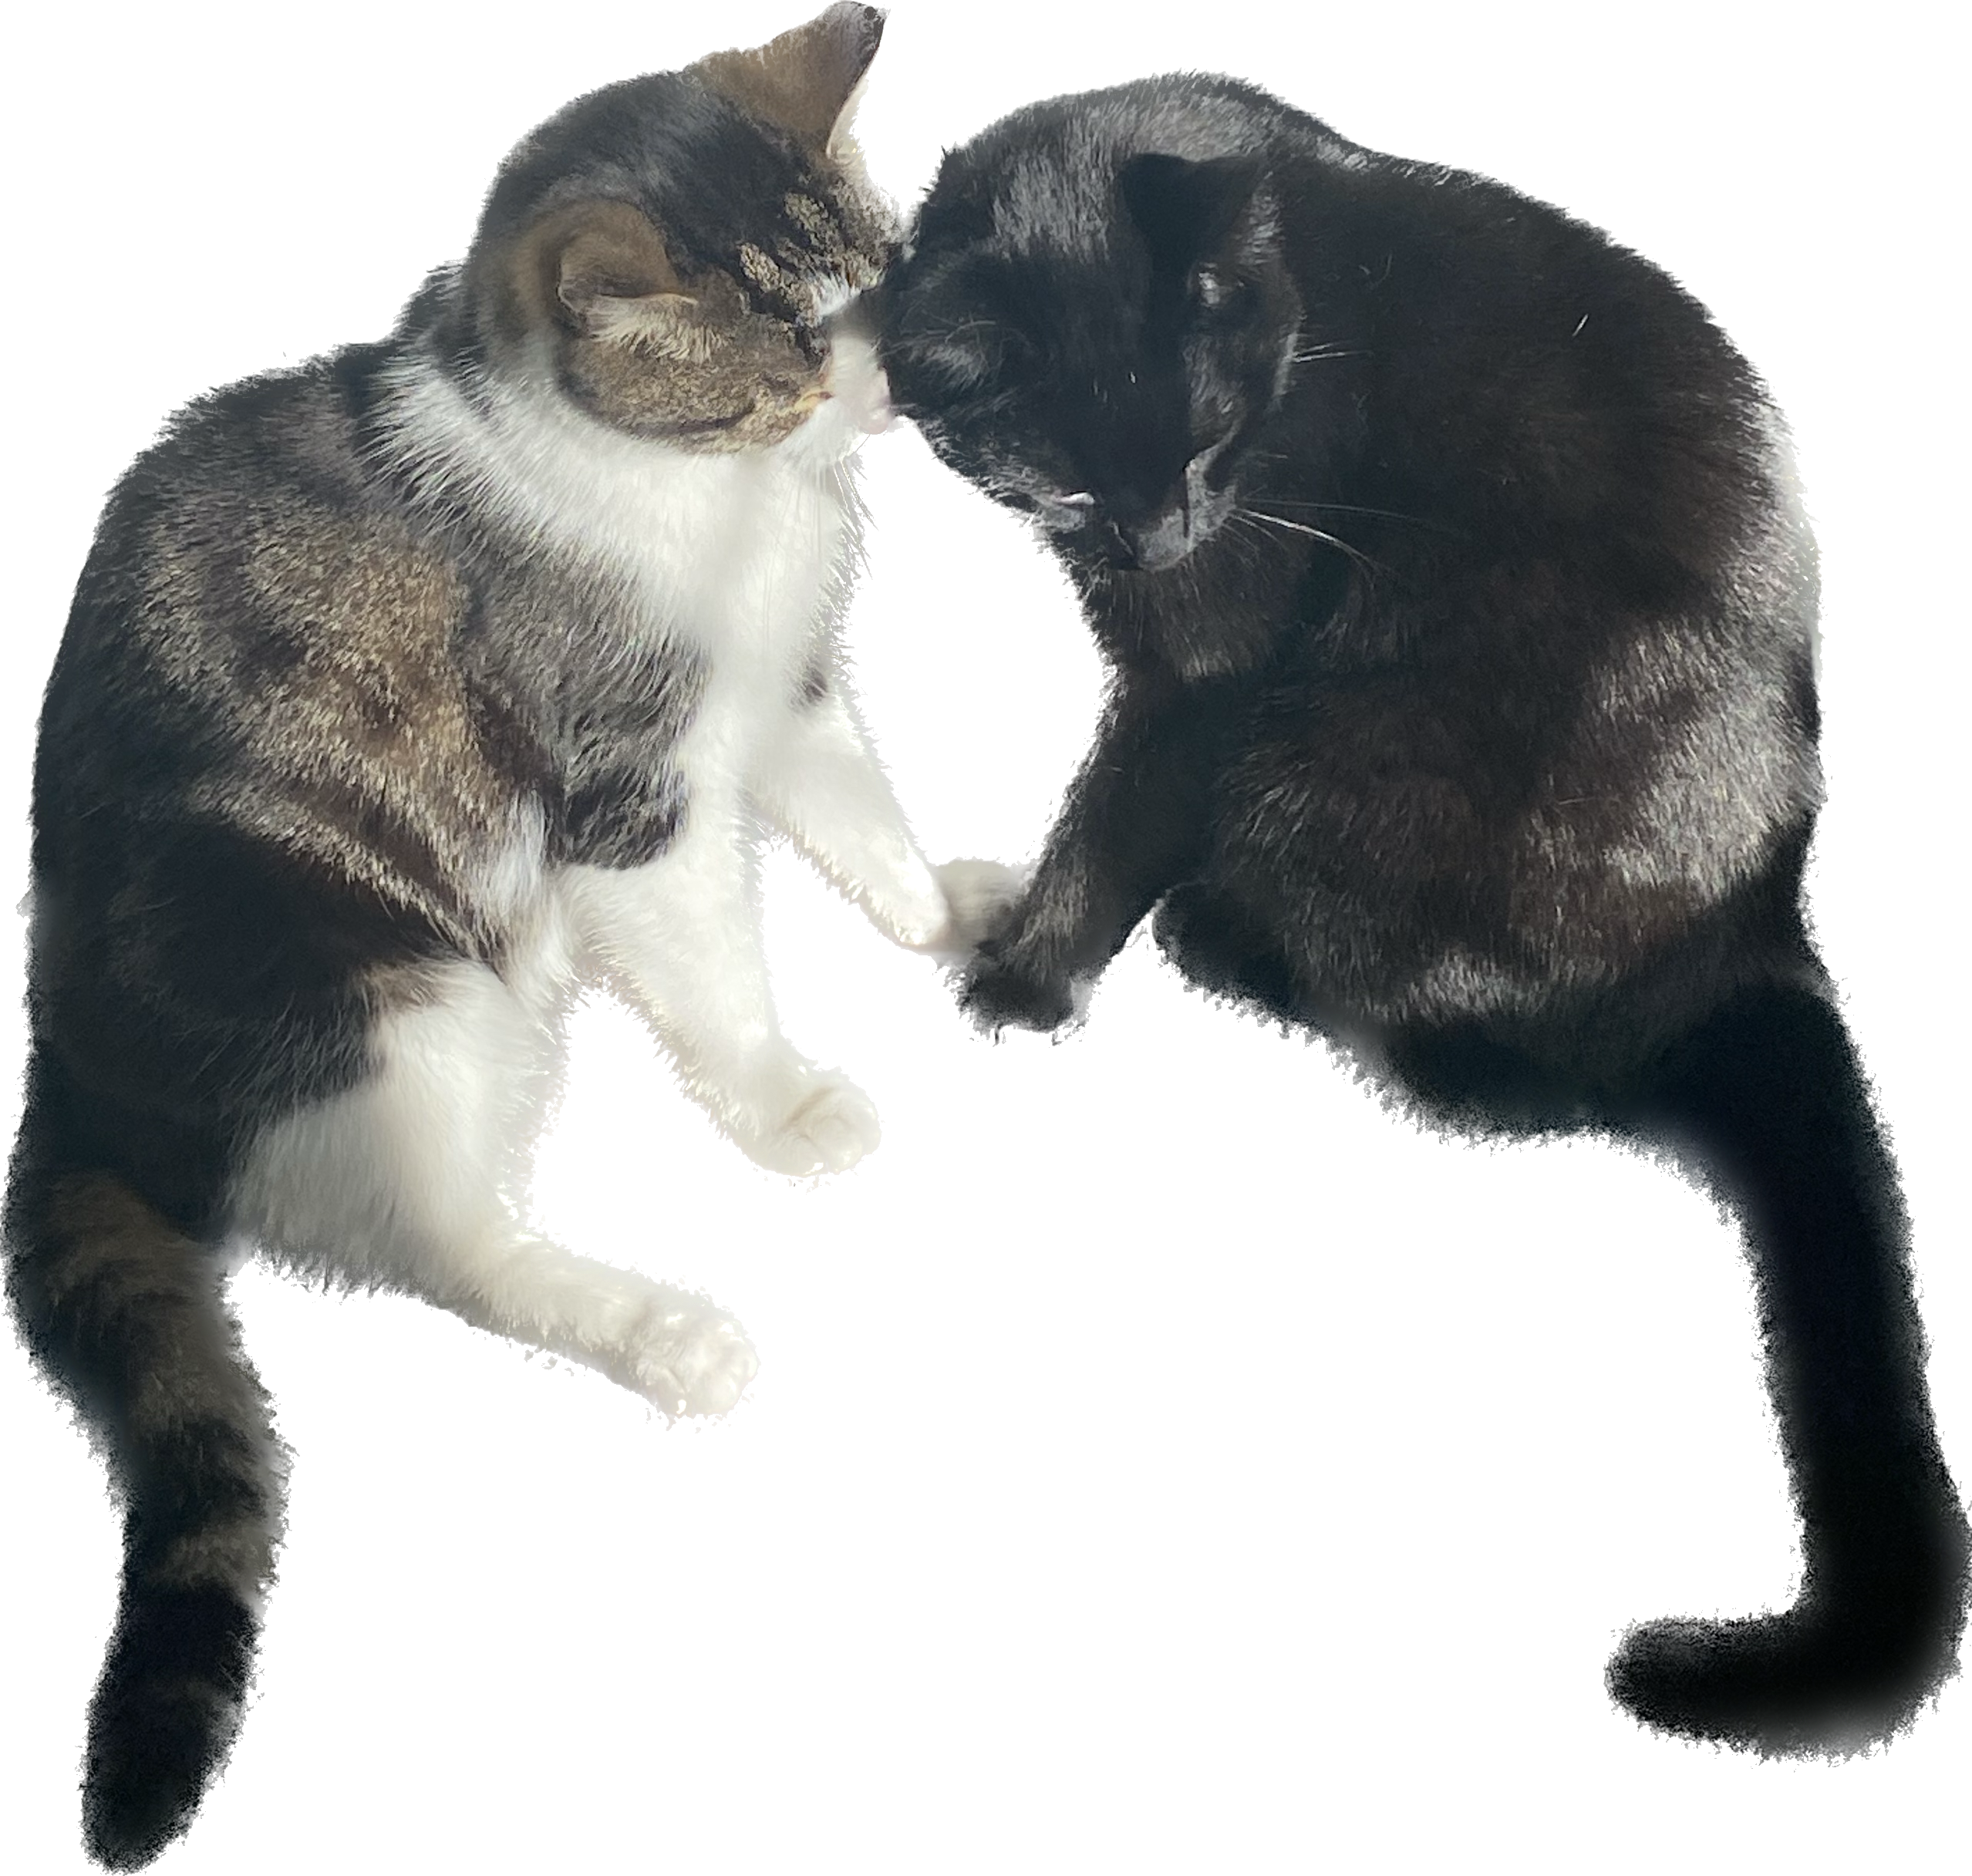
410 1181
1213 941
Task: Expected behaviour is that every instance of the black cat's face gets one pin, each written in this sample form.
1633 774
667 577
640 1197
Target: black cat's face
1098 353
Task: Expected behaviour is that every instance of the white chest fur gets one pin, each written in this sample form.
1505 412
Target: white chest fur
409 1177
742 559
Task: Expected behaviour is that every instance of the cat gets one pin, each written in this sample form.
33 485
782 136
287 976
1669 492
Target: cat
1458 606
401 693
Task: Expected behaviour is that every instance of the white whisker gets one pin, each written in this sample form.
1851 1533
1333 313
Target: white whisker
1301 527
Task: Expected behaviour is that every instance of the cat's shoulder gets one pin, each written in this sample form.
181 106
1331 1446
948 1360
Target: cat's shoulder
303 425
257 526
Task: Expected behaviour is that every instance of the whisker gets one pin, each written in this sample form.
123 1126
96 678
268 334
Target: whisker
1362 560
1343 507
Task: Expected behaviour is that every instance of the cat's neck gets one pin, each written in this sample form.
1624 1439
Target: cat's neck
740 557
1222 612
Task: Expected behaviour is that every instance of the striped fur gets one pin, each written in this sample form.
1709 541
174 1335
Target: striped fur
401 694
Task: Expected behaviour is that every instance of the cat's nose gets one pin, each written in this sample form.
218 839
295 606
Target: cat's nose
854 375
1150 546
876 417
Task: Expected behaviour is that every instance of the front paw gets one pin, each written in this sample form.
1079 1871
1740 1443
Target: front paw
812 1120
980 894
687 1358
997 993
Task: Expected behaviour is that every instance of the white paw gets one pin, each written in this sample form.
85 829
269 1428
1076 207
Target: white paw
690 1360
828 1126
978 894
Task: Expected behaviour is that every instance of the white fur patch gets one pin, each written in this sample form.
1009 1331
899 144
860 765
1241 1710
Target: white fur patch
726 551
415 1178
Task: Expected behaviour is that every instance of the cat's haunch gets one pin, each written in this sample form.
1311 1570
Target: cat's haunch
403 693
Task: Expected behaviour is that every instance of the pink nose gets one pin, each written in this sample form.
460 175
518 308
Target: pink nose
880 414
856 381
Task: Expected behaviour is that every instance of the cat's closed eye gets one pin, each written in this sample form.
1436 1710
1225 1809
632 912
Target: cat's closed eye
978 357
1222 297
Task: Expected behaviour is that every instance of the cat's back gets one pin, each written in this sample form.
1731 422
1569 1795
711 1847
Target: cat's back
259 679
254 534
1532 384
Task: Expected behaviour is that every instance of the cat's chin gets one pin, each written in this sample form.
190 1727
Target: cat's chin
856 387
834 432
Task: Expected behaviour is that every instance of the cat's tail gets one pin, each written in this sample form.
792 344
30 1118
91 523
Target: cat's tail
125 1315
1766 1101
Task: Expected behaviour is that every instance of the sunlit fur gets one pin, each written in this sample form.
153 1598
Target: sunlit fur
1452 572
403 693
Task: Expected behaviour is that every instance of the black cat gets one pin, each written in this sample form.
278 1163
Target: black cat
1460 612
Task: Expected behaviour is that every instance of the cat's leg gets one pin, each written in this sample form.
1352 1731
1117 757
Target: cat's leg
982 894
1769 1095
1220 947
1134 824
408 1180
820 782
680 937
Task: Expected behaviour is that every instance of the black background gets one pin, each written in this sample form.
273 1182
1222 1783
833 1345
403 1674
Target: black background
1152 1437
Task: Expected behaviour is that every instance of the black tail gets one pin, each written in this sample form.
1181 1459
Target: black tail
1767 1100
124 1312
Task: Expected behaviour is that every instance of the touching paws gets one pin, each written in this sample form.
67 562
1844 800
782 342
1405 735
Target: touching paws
978 894
998 993
947 909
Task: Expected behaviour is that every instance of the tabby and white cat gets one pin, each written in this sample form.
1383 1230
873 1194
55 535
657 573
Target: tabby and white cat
1460 610
402 693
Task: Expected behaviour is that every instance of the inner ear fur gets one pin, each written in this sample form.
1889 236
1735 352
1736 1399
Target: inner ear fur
807 80
599 270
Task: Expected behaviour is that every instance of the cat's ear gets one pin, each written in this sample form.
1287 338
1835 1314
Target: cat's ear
1185 209
808 79
599 270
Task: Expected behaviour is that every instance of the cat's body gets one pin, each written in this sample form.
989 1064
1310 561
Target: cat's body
403 693
1460 612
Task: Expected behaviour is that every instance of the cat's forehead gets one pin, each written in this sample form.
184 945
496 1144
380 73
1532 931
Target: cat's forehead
710 174
1045 180
1047 201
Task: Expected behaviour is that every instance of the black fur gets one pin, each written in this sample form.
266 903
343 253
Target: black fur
1460 615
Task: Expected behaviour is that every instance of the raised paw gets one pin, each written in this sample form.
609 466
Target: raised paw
688 1359
998 993
980 894
826 1126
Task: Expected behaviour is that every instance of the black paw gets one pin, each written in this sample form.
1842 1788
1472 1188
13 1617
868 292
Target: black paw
997 994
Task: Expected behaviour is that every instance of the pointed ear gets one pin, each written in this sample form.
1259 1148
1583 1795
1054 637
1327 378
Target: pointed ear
807 80
1185 209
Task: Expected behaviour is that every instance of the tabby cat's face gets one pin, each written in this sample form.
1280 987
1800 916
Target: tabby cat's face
1098 350
676 251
